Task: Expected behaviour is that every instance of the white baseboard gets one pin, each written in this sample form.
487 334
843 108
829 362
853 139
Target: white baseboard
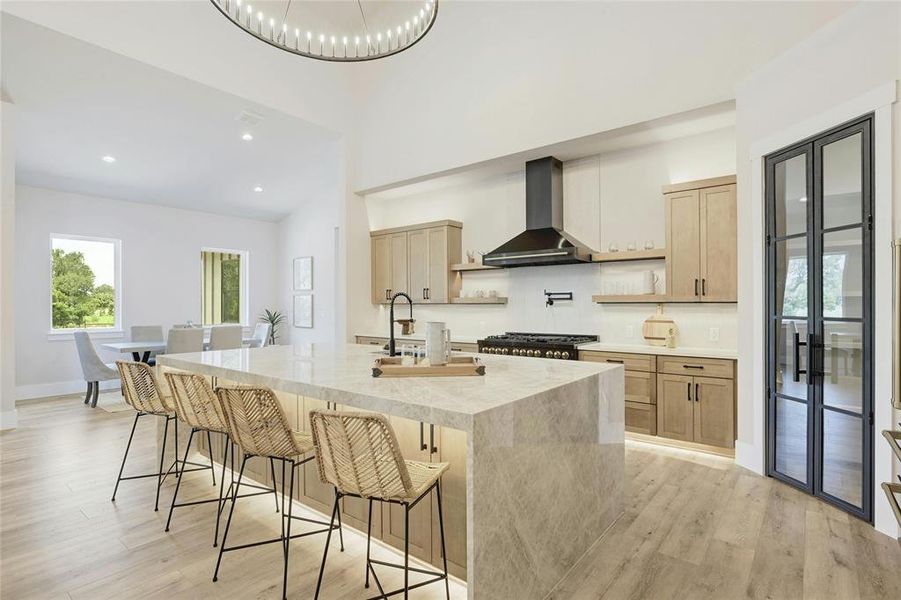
9 419
59 388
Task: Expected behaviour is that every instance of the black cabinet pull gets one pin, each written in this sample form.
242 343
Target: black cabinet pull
703 286
688 390
614 360
697 392
428 294
422 445
696 286
692 366
432 439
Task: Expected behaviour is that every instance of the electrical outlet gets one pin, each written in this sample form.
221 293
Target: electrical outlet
630 331
714 334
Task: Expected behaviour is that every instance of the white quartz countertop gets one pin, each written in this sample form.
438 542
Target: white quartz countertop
418 337
343 374
662 350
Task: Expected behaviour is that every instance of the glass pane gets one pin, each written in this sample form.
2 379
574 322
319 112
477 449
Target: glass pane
843 365
791 196
843 456
791 439
791 277
789 380
843 274
83 285
842 176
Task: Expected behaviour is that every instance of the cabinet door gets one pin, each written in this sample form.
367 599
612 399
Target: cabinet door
714 413
439 267
410 437
316 494
399 263
381 268
675 410
683 245
418 257
719 246
450 446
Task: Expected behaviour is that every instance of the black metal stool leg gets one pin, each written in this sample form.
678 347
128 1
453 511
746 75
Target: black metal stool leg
288 529
228 522
159 477
406 551
328 539
176 450
368 541
221 503
127 447
441 530
340 529
274 486
178 483
209 446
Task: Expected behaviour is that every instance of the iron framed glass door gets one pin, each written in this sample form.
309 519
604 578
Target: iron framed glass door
819 315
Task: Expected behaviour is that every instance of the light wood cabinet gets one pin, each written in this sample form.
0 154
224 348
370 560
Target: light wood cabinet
641 417
714 413
416 259
675 408
701 241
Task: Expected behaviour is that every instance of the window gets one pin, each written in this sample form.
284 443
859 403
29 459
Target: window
224 278
85 285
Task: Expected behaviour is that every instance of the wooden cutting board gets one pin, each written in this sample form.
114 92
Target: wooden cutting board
457 366
657 327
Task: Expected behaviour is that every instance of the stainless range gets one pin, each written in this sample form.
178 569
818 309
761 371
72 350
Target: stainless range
539 345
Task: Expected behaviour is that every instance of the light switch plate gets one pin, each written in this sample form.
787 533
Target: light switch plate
714 334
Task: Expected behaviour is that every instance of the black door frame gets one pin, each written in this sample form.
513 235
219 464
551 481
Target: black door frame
812 147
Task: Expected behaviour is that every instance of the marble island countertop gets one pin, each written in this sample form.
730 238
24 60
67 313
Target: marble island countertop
343 374
725 353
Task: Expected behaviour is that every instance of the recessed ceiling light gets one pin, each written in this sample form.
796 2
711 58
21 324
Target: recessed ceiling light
247 137
258 189
108 159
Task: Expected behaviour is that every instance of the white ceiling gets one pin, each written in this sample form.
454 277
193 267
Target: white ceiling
176 142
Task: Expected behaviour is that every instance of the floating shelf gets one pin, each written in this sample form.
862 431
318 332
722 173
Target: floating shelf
631 299
497 300
653 254
472 267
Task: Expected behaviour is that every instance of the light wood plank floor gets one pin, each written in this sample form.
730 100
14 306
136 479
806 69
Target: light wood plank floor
695 526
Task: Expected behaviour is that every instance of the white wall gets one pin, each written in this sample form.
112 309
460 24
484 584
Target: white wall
161 272
812 87
613 197
8 417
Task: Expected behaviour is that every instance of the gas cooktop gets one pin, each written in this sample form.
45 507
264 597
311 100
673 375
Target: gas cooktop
541 345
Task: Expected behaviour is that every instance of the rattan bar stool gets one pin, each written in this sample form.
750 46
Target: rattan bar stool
142 392
197 405
358 454
257 423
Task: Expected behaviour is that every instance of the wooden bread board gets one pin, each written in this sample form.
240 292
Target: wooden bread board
458 366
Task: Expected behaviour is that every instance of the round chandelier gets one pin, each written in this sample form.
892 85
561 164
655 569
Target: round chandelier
274 23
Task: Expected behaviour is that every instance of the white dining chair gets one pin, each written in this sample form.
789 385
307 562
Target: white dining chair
147 333
92 367
260 336
226 337
184 340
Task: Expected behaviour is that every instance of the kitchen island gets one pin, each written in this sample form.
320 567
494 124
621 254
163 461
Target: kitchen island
543 446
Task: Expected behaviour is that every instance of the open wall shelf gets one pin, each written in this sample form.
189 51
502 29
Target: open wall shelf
629 255
472 267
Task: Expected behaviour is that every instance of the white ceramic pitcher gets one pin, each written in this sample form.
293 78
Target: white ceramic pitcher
437 343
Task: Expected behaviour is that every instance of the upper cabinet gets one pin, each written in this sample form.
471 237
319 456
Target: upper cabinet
416 259
701 263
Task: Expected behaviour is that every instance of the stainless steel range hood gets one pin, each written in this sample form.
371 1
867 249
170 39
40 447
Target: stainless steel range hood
544 242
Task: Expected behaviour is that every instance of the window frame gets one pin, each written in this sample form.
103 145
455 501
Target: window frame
117 330
243 283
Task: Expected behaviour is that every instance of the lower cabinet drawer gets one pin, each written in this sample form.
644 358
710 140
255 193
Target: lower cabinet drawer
641 387
641 418
632 362
701 367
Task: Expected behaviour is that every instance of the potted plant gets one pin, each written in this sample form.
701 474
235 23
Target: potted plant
274 318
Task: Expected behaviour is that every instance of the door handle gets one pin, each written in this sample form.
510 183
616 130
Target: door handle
697 392
422 445
797 356
703 286
424 295
811 371
432 439
696 287
428 294
688 390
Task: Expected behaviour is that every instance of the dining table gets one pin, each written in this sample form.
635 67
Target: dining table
141 351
